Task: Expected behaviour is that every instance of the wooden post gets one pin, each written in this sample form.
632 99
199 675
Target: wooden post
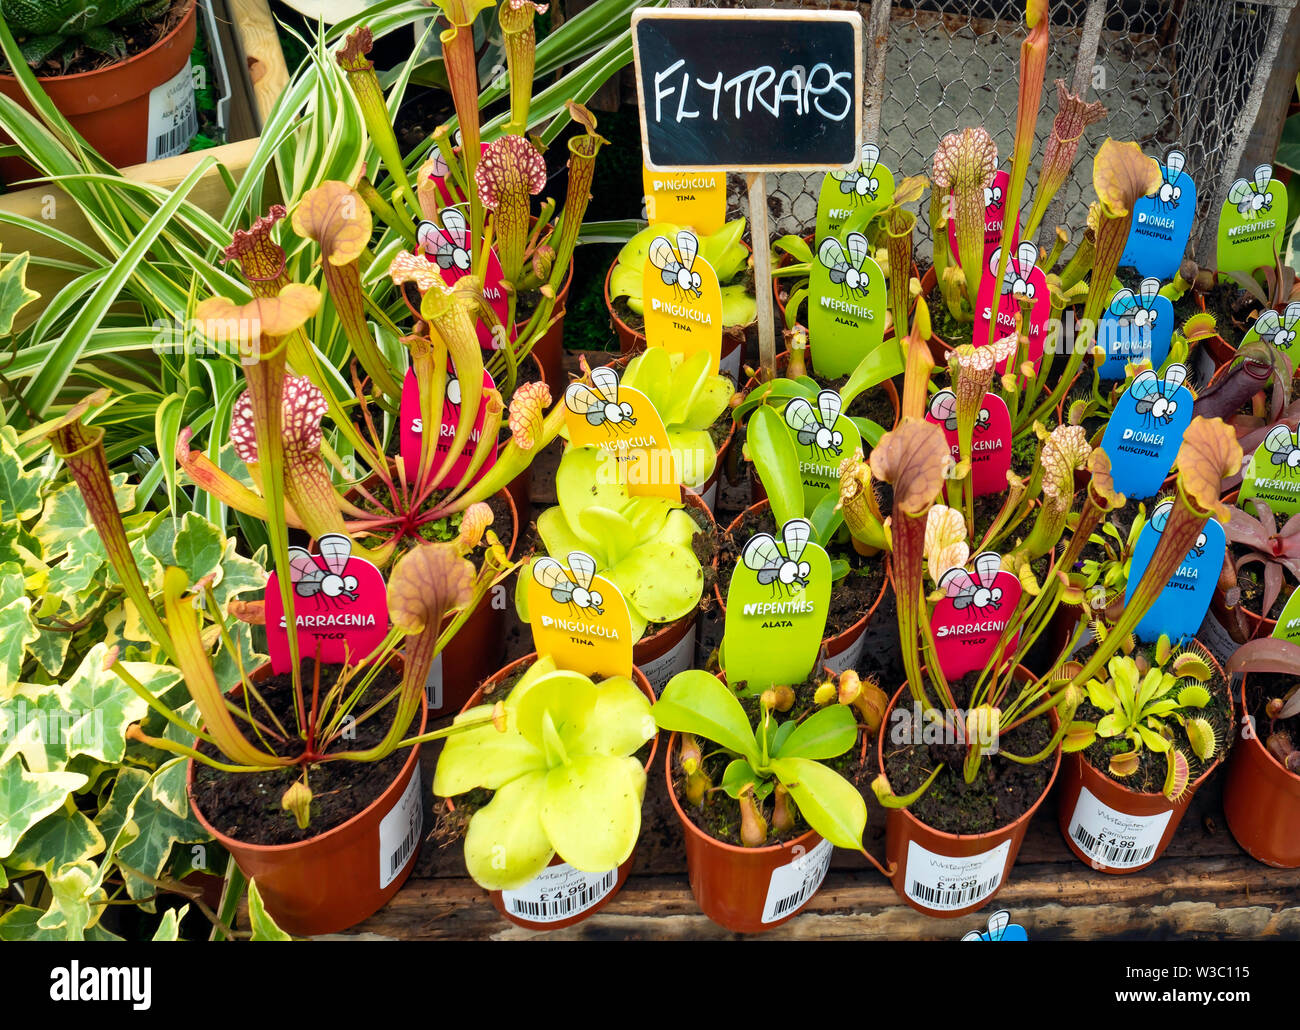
761 237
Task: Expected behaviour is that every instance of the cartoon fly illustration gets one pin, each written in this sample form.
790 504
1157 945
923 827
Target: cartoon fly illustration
815 428
601 406
1251 195
1137 309
862 183
572 587
846 272
943 408
1159 518
677 267
1154 396
1171 171
328 585
993 197
784 572
976 591
1020 266
1282 450
1000 929
447 244
1279 330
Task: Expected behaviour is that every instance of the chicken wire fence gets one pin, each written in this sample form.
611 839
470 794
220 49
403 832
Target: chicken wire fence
1172 73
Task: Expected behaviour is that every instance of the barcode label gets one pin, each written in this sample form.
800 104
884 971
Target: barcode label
173 116
559 892
399 832
433 685
945 883
1114 839
793 884
678 658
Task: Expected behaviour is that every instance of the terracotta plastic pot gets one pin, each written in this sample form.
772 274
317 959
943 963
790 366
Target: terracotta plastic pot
1256 624
475 650
749 890
934 872
1112 828
335 880
838 652
562 895
1221 352
1261 798
661 655
632 341
110 106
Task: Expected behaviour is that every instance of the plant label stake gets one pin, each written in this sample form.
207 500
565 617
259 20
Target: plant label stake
1181 606
846 304
1288 623
694 199
777 605
990 443
1278 328
578 618
969 621
1146 429
1135 327
1023 280
750 91
1251 221
446 243
340 606
683 299
995 198
859 194
823 436
1273 473
1162 222
412 430
623 422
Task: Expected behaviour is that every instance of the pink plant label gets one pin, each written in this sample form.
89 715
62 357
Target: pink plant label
1022 280
340 606
412 430
970 619
995 200
990 443
439 175
447 244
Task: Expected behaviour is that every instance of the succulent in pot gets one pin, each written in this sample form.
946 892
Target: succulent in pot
760 791
562 776
646 546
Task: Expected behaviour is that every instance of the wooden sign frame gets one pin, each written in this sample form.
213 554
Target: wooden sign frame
755 177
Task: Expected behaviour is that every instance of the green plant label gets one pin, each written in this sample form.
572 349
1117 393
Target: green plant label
1278 328
1273 473
823 436
624 423
578 618
861 194
1251 222
1288 623
695 199
682 298
846 305
777 605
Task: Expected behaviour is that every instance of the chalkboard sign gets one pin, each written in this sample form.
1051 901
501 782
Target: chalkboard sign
753 91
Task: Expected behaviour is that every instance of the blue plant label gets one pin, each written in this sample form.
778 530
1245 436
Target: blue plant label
1273 473
1181 606
1000 928
1136 327
1144 432
1162 222
1281 329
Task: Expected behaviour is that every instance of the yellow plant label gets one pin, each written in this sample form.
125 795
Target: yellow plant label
697 199
683 301
578 618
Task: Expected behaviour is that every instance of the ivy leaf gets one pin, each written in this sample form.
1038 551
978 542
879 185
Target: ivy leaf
63 838
27 798
264 927
76 900
14 294
153 811
102 706
170 927
20 492
16 632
